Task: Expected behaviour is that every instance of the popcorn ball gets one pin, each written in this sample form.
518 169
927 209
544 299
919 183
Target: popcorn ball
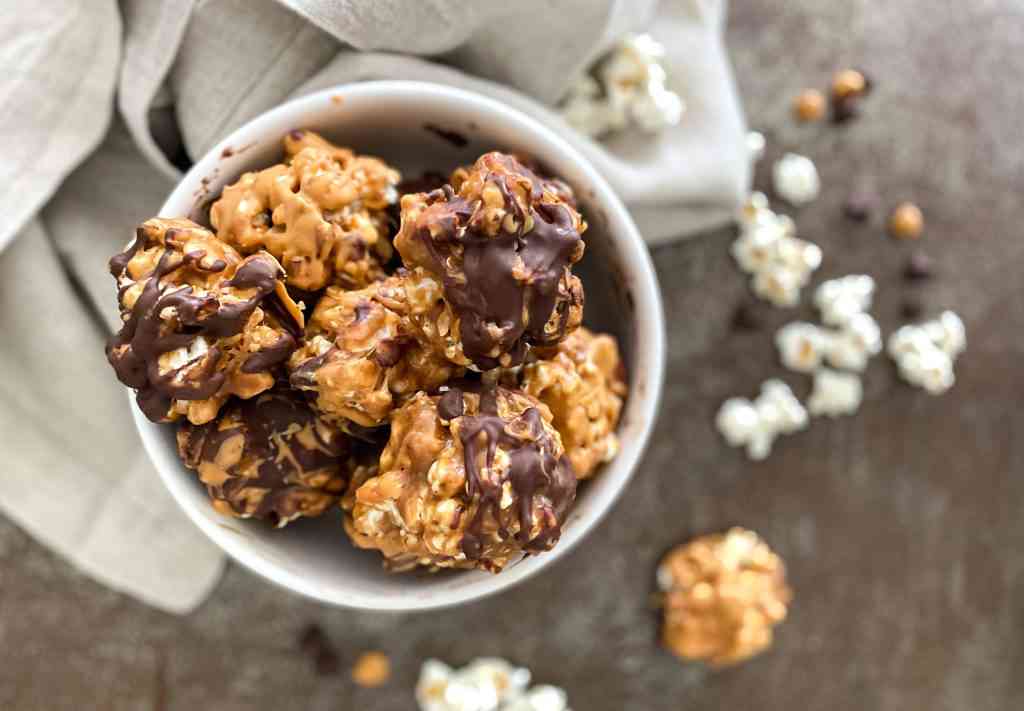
269 457
200 323
323 213
359 359
490 264
470 478
724 594
583 383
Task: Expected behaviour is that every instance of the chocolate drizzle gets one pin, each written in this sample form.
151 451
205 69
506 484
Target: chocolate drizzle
269 425
147 333
536 470
508 286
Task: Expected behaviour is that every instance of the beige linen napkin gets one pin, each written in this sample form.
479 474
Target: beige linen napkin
100 101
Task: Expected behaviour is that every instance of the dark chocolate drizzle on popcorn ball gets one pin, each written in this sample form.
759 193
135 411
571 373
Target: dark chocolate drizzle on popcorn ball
505 286
535 467
172 313
269 457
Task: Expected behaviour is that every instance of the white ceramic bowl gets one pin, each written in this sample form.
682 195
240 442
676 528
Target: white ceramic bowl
404 123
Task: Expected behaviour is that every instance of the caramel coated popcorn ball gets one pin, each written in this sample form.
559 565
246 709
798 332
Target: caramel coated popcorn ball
583 383
723 595
200 322
322 213
471 478
269 457
360 359
490 262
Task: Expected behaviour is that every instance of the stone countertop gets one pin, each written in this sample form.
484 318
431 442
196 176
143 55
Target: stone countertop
901 526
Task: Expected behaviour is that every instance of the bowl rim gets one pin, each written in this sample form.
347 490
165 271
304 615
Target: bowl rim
648 318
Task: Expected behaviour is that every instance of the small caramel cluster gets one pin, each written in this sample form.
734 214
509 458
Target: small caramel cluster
448 405
723 595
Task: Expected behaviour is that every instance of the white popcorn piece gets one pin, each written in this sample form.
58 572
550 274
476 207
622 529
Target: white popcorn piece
631 89
767 248
795 179
948 333
485 684
778 285
756 145
738 421
855 343
925 353
803 346
755 425
779 408
835 393
841 299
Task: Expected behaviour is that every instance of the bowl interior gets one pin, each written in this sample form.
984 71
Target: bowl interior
419 127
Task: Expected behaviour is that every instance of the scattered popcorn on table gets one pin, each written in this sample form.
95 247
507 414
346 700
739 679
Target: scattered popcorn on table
802 346
756 424
631 88
485 684
925 352
841 299
835 393
796 179
781 263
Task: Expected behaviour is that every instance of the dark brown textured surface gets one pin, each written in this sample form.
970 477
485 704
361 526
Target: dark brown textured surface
903 527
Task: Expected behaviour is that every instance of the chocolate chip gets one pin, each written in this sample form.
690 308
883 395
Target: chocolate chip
745 318
314 642
912 309
918 267
859 205
845 108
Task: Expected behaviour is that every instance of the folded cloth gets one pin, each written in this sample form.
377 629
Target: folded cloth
80 175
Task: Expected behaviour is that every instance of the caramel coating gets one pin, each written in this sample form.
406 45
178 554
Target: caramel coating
200 322
494 258
467 480
723 595
359 359
582 381
269 457
322 213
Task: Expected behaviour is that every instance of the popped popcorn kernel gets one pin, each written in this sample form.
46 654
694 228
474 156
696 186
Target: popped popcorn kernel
756 424
925 353
835 393
841 299
795 179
